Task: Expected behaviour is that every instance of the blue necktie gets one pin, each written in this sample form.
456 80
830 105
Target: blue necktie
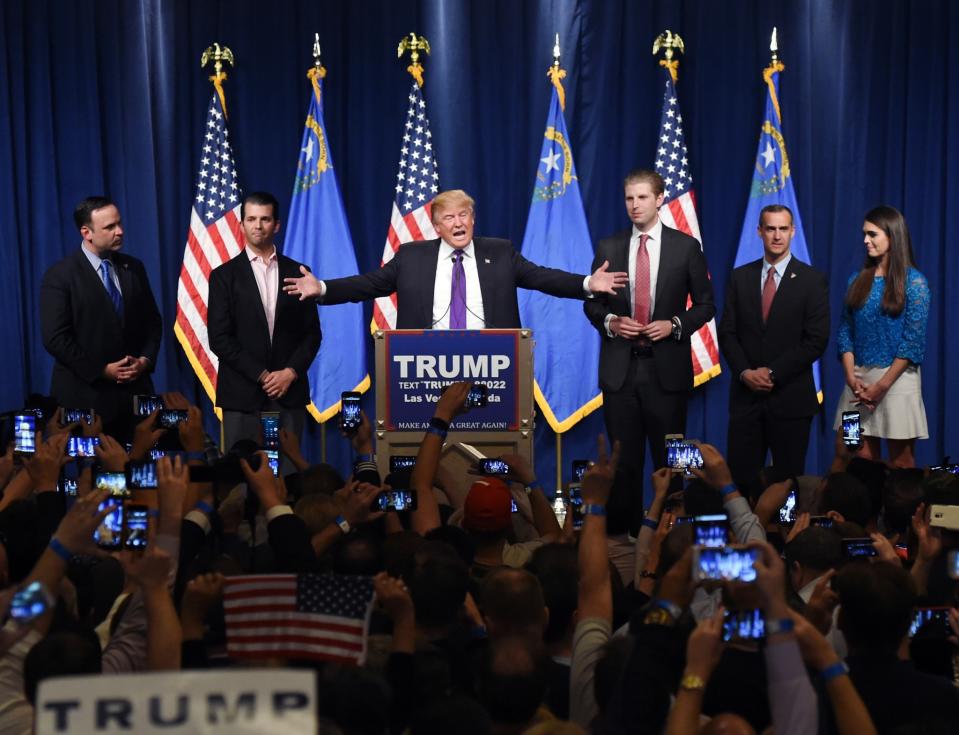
458 293
115 296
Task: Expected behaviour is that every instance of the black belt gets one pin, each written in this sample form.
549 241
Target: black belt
643 352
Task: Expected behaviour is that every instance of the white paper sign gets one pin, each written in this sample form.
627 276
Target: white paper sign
241 702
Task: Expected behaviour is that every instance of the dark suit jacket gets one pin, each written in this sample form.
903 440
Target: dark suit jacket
83 332
793 338
412 275
240 336
682 271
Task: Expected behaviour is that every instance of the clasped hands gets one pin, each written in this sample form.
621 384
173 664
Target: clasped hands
126 370
628 328
276 383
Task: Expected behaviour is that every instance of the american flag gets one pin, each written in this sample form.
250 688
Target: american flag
317 616
417 182
215 237
679 212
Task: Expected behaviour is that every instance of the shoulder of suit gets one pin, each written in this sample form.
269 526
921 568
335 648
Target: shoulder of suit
750 266
617 238
671 233
492 243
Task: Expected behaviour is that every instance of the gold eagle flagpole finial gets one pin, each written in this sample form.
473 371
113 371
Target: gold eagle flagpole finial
217 54
414 44
669 42
557 75
317 71
775 65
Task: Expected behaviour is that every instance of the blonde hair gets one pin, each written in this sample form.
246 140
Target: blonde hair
447 200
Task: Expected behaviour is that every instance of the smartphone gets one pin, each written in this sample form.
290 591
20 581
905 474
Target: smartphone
743 625
944 516
821 521
171 418
25 433
787 514
270 421
495 467
141 475
395 500
136 526
725 564
478 396
109 534
156 454
400 462
350 417
579 469
67 486
273 457
147 403
858 548
30 603
576 505
115 482
682 456
952 564
952 468
82 446
513 508
76 416
711 531
851 429
937 616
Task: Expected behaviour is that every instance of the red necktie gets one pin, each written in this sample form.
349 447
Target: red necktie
769 293
641 291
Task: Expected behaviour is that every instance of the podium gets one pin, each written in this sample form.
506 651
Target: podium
412 368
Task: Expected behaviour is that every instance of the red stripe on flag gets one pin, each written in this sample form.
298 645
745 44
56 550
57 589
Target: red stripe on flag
679 216
198 254
292 653
199 351
279 622
413 226
194 295
214 232
316 640
394 239
707 337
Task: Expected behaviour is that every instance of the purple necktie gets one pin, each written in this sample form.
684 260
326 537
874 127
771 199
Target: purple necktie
458 293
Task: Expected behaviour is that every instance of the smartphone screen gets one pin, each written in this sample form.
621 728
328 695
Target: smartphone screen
137 525
952 564
30 603
787 514
711 531
82 446
579 469
273 457
726 564
682 456
109 535
25 433
851 429
493 467
145 404
115 482
350 418
395 500
936 616
67 486
76 416
576 505
142 475
743 625
271 429
477 397
171 418
821 521
399 462
856 548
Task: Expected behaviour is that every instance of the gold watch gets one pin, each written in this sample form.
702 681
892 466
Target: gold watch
692 683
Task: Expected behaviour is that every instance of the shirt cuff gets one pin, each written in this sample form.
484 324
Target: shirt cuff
278 510
199 518
589 294
678 323
606 321
322 289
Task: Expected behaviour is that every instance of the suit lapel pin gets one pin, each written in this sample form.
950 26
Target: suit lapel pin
486 260
792 275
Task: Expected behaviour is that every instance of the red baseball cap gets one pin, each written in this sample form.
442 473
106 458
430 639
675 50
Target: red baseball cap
488 506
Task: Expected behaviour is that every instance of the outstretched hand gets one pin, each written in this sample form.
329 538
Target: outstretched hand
306 286
605 281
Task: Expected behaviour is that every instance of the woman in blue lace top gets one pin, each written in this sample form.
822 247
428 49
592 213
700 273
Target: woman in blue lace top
882 340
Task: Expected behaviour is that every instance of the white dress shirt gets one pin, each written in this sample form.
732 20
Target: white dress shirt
654 247
780 269
442 288
266 271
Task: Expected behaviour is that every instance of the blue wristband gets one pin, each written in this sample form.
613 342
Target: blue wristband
727 490
831 672
651 523
188 456
594 509
434 430
674 610
60 550
365 457
783 625
204 506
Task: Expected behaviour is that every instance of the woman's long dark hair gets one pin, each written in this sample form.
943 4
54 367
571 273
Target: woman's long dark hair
889 220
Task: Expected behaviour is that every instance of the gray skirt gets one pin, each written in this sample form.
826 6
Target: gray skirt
899 415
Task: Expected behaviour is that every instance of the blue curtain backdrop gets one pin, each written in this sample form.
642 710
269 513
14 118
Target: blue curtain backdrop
107 96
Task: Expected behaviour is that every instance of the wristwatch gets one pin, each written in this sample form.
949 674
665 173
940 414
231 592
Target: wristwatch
677 327
342 523
692 683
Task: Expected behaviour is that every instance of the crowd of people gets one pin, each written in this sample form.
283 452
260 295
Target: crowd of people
494 620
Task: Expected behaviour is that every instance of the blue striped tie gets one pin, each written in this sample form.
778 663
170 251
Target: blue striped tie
115 296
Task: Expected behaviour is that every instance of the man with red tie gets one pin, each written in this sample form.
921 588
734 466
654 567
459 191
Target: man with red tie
645 368
775 325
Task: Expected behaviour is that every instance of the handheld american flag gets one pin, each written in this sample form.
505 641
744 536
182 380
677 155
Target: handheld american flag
317 616
214 237
417 182
679 212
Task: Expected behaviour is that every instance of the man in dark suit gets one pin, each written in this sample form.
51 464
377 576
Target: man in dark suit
265 340
645 368
99 320
775 325
456 281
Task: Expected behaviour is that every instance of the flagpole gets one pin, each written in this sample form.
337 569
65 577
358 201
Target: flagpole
556 75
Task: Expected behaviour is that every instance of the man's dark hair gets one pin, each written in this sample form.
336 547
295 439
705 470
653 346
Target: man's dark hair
814 548
358 553
458 539
847 495
873 475
941 488
438 583
557 569
646 176
775 208
513 680
60 654
674 546
901 496
357 699
83 212
23 538
513 598
700 499
457 713
876 602
320 478
263 198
